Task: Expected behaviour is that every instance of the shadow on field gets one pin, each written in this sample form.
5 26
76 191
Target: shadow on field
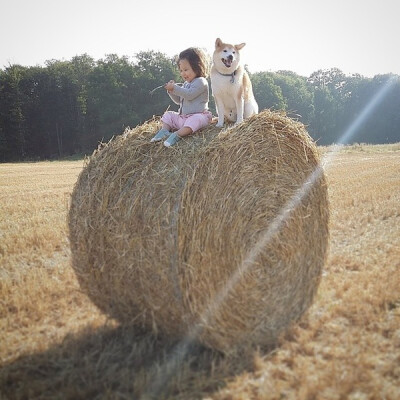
118 363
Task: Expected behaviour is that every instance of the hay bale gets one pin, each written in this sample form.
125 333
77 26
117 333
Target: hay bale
203 237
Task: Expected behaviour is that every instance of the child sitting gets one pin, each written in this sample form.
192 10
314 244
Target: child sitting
192 98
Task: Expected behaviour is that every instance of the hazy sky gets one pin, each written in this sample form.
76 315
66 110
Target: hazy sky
356 36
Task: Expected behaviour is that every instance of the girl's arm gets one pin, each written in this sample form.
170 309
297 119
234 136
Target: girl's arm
170 87
197 87
176 99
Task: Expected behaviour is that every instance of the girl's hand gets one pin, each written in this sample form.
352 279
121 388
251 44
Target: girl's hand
170 86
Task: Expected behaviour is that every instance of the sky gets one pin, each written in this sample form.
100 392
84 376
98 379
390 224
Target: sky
303 36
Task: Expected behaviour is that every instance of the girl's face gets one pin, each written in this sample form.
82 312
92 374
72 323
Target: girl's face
186 70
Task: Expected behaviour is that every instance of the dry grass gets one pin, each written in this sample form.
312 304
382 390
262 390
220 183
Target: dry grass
197 224
55 344
37 284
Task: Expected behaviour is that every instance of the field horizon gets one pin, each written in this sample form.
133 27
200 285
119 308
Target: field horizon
56 344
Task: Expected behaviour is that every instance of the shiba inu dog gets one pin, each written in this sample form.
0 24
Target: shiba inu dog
231 85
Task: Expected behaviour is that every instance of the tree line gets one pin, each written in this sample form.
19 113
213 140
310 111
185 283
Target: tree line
68 107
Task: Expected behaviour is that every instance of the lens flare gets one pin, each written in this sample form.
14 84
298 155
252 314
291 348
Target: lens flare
180 351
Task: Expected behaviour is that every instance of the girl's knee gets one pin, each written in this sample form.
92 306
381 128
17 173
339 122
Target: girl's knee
197 122
185 131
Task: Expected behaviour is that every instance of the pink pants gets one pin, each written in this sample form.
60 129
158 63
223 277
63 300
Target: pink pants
193 121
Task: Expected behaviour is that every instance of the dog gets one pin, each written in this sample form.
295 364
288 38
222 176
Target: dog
231 85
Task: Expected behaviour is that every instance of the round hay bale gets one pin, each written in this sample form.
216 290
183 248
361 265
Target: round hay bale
222 237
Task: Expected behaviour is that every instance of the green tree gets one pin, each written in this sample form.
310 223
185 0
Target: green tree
58 100
82 66
330 91
266 92
297 94
382 123
70 106
13 124
34 112
153 69
110 99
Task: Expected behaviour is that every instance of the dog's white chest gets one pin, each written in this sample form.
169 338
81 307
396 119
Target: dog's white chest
226 90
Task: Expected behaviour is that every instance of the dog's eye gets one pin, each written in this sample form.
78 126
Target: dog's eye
225 51
234 52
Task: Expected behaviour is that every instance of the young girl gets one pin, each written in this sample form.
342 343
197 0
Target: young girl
192 99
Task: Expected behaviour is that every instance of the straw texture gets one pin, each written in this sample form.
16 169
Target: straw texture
203 238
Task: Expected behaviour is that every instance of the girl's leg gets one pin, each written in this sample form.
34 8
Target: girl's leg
198 121
161 134
167 122
192 124
174 137
184 131
171 120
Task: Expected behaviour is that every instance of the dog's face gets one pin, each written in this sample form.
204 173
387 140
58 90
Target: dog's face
227 55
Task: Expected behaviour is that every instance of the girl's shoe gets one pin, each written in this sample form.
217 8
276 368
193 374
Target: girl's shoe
161 134
173 139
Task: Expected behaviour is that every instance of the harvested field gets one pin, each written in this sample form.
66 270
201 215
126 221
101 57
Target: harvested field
56 344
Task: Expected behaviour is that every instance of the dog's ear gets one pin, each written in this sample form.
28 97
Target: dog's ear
218 43
240 46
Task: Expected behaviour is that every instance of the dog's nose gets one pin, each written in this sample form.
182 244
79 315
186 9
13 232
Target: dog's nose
230 56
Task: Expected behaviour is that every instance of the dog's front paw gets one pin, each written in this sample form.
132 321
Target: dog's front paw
219 125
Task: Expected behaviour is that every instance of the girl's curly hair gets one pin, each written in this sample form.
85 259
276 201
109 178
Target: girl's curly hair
197 59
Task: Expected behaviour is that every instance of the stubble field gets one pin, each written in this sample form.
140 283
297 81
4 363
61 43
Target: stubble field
54 344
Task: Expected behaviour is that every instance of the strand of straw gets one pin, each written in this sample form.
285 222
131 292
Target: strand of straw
161 86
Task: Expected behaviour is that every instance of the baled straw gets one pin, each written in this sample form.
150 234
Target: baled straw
156 234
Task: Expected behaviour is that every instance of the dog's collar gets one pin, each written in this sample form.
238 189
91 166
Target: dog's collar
232 75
